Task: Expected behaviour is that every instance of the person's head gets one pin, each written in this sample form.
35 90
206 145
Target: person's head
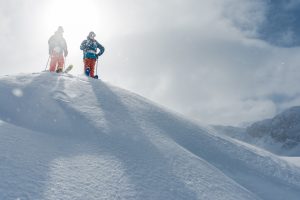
60 30
92 35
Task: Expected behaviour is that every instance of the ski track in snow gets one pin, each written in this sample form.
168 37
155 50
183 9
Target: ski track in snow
71 137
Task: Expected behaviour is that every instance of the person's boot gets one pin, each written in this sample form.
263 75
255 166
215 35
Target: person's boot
59 70
87 71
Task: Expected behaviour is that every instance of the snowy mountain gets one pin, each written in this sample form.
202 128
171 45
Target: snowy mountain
71 137
284 129
279 135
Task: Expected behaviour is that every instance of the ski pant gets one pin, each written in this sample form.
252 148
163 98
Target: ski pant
89 63
57 60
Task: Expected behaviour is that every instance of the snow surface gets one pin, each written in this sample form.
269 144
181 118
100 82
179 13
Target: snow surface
71 137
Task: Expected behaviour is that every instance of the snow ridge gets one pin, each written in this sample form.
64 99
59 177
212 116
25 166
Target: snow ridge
71 137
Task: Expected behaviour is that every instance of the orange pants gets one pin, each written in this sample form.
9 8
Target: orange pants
89 63
56 60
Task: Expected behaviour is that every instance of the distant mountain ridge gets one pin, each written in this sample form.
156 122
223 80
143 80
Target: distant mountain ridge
279 135
283 128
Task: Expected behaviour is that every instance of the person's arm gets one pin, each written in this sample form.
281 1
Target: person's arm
65 48
101 48
83 45
50 41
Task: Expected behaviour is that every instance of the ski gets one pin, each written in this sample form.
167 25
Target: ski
68 69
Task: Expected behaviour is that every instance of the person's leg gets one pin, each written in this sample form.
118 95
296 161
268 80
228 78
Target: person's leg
53 62
89 64
86 66
92 66
61 62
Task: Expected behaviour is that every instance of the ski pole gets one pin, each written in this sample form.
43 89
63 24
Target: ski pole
97 67
47 63
65 63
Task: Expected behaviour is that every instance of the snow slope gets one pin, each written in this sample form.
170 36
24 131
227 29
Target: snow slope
67 137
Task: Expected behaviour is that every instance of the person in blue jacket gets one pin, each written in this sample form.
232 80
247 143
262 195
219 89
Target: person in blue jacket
90 54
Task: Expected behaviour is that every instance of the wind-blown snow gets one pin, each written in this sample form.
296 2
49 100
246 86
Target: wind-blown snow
67 137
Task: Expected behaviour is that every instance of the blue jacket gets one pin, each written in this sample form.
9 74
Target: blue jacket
89 47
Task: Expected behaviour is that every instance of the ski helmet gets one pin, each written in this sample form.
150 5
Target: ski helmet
92 34
60 29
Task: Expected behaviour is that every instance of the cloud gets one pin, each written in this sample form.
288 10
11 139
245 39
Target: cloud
6 38
245 14
273 21
209 70
208 60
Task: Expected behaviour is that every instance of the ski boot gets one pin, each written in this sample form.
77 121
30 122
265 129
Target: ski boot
59 70
87 71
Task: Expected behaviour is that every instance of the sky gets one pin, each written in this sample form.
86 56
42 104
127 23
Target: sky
227 62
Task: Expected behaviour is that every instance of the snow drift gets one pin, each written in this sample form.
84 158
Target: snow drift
68 137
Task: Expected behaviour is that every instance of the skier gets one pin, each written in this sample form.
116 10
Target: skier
90 55
57 50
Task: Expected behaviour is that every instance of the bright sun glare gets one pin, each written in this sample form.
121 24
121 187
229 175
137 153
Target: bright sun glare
75 16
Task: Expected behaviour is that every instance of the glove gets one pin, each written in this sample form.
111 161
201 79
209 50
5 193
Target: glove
98 54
